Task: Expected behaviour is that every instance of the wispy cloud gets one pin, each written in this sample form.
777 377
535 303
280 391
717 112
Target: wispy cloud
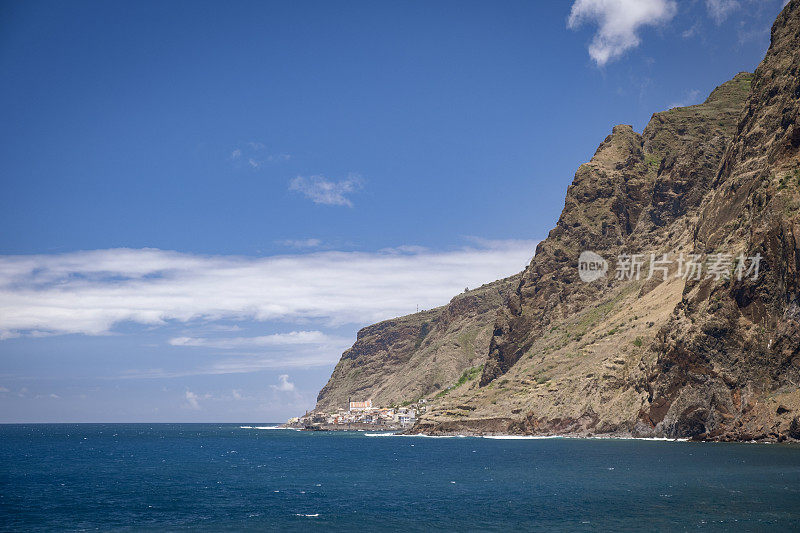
691 98
252 354
284 385
300 243
321 190
618 23
247 362
278 339
254 154
89 292
405 249
691 32
719 10
192 400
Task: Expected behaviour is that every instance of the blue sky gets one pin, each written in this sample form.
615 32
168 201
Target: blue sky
203 201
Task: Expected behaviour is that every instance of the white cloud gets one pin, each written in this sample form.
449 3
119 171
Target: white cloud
720 9
284 385
192 400
321 190
89 292
300 243
692 97
252 354
254 155
278 339
691 32
405 249
618 22
237 394
254 361
3 389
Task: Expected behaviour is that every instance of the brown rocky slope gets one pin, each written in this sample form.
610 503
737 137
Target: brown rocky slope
729 358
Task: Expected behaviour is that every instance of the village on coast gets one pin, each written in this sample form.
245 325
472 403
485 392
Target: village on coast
361 415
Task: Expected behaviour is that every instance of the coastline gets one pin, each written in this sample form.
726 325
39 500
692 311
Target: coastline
372 431
508 429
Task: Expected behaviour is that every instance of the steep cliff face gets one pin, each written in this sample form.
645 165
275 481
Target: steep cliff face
638 193
728 362
418 355
568 356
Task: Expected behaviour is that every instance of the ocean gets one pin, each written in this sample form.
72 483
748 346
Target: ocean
224 477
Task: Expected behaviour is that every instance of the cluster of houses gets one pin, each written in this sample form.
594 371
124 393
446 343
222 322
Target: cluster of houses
363 413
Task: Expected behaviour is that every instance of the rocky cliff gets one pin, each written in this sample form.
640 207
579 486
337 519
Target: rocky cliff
637 194
729 357
659 353
567 356
416 356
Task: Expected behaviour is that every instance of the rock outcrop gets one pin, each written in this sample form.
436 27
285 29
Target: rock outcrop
416 356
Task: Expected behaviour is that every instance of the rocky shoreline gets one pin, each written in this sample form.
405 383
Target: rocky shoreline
507 428
568 429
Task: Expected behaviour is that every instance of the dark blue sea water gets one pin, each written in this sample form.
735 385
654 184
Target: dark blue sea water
223 477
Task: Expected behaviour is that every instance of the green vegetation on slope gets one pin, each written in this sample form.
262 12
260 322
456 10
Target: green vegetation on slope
468 375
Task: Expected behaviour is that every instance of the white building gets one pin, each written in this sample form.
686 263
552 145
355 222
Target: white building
361 406
406 417
407 420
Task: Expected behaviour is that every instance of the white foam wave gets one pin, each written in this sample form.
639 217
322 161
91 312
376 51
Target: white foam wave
522 437
596 437
527 437
424 436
